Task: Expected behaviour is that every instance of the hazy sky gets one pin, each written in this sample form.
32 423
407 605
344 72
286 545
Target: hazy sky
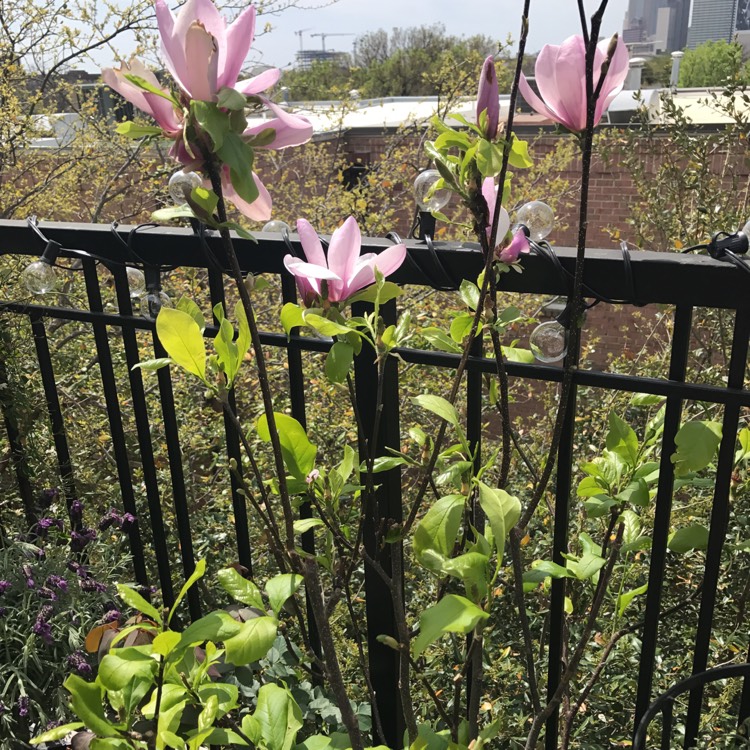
551 21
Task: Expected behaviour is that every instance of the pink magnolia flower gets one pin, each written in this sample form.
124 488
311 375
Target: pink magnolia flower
161 109
344 270
488 98
561 77
518 245
489 191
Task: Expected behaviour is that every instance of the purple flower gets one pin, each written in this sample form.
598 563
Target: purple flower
90 584
48 496
58 582
128 520
80 539
44 613
23 705
4 586
48 593
111 615
28 574
76 511
3 610
488 99
519 244
110 518
77 662
43 630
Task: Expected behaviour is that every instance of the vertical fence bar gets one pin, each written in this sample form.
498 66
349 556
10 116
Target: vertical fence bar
177 474
234 453
59 435
297 400
17 452
559 548
117 432
383 661
719 518
145 446
677 369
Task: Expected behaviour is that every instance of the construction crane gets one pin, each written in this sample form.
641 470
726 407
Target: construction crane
323 36
299 34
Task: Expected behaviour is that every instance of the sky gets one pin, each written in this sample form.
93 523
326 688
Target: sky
550 22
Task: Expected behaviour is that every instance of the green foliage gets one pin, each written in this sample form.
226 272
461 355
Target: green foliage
716 62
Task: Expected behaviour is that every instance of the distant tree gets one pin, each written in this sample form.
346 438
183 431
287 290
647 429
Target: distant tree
657 71
323 80
713 63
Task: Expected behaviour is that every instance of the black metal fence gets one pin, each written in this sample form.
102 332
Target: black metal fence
682 283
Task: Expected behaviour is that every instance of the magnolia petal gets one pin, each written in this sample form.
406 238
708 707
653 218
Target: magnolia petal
534 101
344 249
362 278
239 37
205 13
503 225
570 79
299 267
259 209
291 130
390 259
489 191
311 243
159 108
518 245
202 55
259 83
488 98
171 47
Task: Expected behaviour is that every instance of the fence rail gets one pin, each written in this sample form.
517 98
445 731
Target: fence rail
681 282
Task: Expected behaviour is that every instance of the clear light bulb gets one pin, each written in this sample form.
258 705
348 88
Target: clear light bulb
275 226
182 183
549 342
746 229
153 302
427 198
538 217
39 277
136 282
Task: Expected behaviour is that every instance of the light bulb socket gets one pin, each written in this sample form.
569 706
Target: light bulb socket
51 252
737 243
427 225
153 279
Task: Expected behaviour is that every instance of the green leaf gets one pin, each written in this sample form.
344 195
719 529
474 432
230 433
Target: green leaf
203 201
339 361
452 139
152 365
239 588
87 700
437 531
291 317
303 525
636 493
58 733
461 327
215 626
622 440
440 406
129 672
519 154
231 99
282 587
235 153
225 695
440 340
181 336
587 566
371 294
689 538
133 599
696 446
142 83
325 326
625 598
386 463
489 158
252 641
168 213
188 306
195 576
631 526
452 614
278 716
165 642
132 130
645 399
516 354
211 119
473 570
502 511
298 452
542 569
